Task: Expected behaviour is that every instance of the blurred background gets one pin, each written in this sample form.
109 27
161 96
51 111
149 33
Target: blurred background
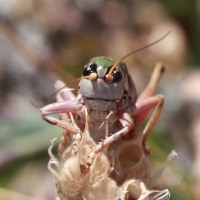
42 41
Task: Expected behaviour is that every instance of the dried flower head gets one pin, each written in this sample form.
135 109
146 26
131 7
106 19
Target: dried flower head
74 181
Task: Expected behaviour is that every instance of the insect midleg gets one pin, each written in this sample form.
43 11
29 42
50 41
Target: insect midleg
68 126
66 103
126 122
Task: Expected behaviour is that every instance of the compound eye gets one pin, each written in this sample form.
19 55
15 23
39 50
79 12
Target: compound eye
86 71
117 76
93 68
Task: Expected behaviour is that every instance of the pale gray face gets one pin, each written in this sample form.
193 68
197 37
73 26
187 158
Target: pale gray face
100 89
101 94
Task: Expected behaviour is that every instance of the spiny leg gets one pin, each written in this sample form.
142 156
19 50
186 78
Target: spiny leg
126 122
76 137
69 127
147 104
64 117
104 144
151 123
106 120
105 151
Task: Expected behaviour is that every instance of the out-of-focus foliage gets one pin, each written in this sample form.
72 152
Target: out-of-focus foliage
42 41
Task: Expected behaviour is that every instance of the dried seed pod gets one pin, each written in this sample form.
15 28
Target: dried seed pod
72 184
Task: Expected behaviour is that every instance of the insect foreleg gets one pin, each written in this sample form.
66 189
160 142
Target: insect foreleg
126 122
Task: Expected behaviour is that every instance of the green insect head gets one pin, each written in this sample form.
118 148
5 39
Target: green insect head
100 67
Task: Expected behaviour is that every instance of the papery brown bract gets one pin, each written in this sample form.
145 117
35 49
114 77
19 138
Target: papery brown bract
131 162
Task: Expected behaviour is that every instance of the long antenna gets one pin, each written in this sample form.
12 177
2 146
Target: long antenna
109 76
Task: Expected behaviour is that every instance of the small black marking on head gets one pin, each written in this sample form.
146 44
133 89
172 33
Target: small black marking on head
108 69
93 68
86 71
117 75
